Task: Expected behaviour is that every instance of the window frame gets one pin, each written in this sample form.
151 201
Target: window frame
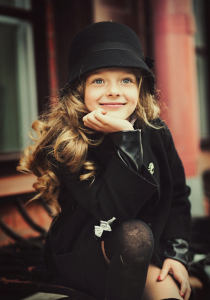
36 16
205 52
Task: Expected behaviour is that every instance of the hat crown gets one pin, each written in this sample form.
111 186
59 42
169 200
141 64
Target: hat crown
107 45
101 33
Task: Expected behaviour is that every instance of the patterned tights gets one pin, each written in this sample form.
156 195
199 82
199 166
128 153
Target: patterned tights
129 249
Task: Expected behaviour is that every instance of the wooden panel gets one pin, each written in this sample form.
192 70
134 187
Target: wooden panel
70 18
16 184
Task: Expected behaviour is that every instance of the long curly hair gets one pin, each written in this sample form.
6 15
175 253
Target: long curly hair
62 136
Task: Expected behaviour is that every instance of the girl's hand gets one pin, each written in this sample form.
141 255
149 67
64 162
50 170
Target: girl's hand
179 272
98 121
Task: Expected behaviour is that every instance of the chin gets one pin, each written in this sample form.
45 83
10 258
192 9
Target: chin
116 115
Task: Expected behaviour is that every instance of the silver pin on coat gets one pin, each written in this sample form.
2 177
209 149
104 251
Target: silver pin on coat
151 168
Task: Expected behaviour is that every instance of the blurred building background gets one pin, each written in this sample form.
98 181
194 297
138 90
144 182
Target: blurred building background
35 36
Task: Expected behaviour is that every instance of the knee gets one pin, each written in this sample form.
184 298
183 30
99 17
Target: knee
135 227
134 240
137 234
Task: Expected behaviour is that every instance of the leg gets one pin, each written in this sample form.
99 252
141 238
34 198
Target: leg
129 250
155 290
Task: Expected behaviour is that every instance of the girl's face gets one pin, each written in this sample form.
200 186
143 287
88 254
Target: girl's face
114 90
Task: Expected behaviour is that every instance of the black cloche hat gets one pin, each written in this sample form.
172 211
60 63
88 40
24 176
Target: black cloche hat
104 45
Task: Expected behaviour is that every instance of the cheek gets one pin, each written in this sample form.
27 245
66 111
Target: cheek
132 94
89 100
134 98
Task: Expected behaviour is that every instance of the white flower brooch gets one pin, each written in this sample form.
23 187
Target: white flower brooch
151 168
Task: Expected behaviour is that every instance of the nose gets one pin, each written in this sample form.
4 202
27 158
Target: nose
113 90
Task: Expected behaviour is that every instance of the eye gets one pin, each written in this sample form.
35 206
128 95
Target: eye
98 81
127 80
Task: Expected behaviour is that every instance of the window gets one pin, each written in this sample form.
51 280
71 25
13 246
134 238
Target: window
18 92
26 4
202 57
18 102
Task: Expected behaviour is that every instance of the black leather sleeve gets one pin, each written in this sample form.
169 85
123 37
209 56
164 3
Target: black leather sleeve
128 147
177 249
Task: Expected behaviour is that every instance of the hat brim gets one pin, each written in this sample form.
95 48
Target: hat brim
108 59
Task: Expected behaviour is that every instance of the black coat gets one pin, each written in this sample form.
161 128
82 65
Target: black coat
159 199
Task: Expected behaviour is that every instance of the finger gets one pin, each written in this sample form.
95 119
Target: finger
164 272
187 294
100 115
89 125
91 119
185 289
106 120
183 283
86 116
90 113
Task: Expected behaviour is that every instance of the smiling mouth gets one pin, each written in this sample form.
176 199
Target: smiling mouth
112 103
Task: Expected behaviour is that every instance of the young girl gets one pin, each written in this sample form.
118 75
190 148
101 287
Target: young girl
108 164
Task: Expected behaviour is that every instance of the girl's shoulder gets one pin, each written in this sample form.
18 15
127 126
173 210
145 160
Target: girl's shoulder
160 129
157 126
158 123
